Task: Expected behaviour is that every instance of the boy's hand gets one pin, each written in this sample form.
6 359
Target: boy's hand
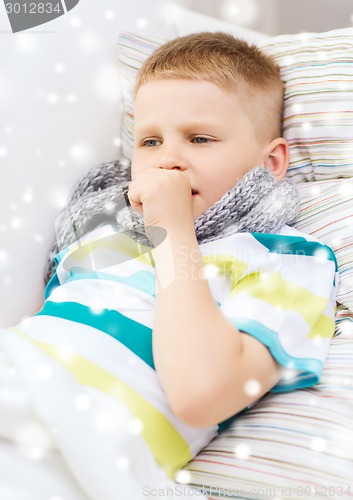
164 196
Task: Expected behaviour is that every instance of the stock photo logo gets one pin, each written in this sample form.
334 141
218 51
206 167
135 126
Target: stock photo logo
25 14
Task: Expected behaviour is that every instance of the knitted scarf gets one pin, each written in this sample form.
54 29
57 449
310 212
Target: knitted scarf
257 203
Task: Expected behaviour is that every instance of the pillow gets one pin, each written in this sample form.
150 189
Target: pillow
321 205
289 445
133 50
326 212
317 71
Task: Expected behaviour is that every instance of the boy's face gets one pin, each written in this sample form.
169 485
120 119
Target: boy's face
198 128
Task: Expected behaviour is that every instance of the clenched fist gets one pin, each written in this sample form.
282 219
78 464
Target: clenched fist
164 197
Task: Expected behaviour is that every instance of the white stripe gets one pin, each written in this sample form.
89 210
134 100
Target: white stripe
304 270
106 294
240 245
291 327
131 266
291 231
121 263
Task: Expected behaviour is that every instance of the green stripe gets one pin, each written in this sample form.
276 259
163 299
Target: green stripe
286 295
133 335
295 245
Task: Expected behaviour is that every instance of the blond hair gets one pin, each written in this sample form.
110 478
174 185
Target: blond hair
232 64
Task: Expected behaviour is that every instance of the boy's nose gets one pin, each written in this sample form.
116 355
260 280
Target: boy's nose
171 162
169 167
171 156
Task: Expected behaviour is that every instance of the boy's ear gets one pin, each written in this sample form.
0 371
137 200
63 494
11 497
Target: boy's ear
276 157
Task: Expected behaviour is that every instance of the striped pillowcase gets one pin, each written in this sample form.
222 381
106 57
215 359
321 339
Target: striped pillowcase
326 212
317 71
133 50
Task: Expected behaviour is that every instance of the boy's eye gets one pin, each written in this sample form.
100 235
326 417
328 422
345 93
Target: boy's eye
202 139
152 142
147 142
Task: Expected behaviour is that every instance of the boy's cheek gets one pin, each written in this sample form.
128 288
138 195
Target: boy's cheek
135 169
138 164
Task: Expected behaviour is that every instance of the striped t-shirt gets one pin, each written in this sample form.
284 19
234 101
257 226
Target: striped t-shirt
279 288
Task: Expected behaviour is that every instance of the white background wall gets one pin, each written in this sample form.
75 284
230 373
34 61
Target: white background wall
279 16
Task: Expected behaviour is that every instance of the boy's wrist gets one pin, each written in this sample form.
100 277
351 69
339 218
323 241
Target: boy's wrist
175 232
177 257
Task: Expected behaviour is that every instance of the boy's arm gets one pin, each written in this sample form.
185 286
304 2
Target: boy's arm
203 362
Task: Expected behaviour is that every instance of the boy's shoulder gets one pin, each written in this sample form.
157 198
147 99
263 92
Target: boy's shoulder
286 239
289 240
286 230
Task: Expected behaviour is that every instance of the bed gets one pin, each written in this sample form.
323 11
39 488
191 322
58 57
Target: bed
288 445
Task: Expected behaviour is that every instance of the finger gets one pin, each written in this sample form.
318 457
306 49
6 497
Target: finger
134 198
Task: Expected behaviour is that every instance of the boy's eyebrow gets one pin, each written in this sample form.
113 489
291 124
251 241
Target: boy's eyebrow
190 125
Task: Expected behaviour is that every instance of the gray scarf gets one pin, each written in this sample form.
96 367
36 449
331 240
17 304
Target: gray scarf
257 203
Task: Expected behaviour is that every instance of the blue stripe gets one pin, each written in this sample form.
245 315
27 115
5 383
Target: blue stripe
295 245
54 280
144 281
133 335
51 285
310 368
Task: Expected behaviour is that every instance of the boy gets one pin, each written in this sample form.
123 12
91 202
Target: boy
217 313
174 180
217 90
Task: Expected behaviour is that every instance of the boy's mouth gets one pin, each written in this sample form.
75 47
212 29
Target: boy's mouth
194 192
